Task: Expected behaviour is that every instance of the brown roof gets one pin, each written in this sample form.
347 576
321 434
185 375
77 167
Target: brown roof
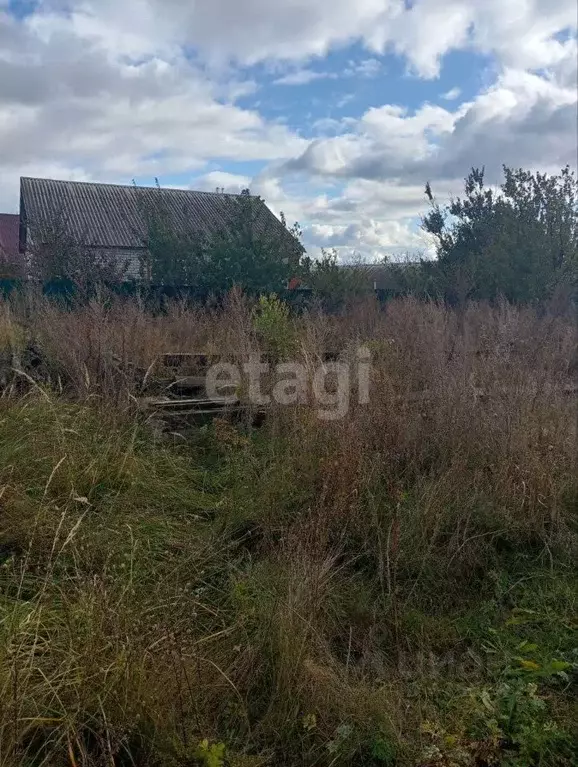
9 233
111 215
9 241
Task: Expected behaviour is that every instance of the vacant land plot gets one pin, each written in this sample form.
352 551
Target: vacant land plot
396 586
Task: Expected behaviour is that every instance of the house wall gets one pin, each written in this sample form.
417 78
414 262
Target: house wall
131 257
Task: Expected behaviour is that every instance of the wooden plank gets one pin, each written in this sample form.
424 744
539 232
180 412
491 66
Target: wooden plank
180 359
199 360
190 382
177 405
198 383
214 412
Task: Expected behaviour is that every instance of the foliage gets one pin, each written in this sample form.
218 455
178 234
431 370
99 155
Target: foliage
394 588
518 719
334 282
9 270
55 254
171 257
510 716
210 754
272 322
247 250
520 241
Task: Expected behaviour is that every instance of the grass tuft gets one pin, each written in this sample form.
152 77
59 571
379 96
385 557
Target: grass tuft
397 587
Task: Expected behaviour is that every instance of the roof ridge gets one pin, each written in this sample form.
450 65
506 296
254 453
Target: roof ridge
130 186
109 215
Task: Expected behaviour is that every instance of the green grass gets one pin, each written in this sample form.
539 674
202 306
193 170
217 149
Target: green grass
179 606
397 588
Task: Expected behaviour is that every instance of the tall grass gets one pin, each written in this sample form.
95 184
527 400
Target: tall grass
394 588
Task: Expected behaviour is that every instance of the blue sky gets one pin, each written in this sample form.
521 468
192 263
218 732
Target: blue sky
351 81
335 112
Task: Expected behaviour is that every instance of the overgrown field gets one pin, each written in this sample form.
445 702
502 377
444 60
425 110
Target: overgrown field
397 587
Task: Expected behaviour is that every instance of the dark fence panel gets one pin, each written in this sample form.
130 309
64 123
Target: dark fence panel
156 298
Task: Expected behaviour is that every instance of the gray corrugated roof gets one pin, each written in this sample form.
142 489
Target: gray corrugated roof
111 215
379 275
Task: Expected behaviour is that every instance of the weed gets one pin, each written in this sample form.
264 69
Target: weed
210 754
394 588
273 325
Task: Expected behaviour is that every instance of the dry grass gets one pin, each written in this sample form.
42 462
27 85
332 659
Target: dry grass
317 593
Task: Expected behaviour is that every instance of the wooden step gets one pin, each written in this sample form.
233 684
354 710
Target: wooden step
199 361
196 403
188 385
182 359
213 412
197 384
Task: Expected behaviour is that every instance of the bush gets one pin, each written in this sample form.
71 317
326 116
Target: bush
274 327
520 242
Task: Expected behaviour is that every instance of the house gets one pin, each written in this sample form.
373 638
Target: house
109 220
386 276
11 261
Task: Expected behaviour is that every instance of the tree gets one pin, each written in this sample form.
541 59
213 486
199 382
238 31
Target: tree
249 250
519 241
56 254
327 276
170 257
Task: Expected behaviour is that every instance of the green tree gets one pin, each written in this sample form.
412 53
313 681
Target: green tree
519 241
170 257
332 280
249 250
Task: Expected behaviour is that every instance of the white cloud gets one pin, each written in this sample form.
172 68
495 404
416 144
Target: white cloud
231 183
365 68
251 31
368 239
386 139
452 94
522 33
104 90
71 100
383 159
303 77
425 32
523 119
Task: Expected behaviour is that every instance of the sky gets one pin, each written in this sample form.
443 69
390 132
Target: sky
335 112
